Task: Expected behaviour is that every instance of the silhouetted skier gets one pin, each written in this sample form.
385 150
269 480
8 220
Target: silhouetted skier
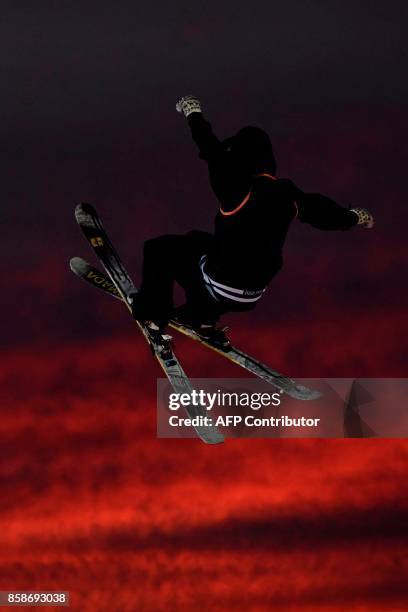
230 269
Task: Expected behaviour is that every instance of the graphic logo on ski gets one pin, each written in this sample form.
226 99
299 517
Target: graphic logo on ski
100 281
97 241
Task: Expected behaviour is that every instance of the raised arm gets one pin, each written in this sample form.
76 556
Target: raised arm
229 180
208 143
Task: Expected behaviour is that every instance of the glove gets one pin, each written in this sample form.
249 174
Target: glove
365 218
188 105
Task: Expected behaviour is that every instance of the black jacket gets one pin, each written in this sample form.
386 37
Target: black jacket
255 210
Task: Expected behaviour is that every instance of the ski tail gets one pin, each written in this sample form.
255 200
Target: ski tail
93 276
93 230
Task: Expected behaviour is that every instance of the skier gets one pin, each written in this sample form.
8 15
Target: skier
230 269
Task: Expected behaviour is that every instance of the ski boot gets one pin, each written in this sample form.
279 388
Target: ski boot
216 336
208 332
159 340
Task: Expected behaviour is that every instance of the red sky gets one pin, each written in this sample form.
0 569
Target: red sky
93 503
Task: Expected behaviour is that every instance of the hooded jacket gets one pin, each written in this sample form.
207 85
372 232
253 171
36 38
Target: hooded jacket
256 208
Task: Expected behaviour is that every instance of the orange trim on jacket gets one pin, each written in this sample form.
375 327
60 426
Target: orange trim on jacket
245 200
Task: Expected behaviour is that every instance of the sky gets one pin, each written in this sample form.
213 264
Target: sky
92 502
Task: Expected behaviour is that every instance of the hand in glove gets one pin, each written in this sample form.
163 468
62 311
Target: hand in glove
188 105
365 218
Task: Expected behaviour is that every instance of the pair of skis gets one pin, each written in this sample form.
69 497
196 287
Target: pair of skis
119 284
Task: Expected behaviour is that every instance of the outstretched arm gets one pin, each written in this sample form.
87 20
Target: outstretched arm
325 214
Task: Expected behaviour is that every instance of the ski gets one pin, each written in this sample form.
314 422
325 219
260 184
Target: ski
99 280
121 286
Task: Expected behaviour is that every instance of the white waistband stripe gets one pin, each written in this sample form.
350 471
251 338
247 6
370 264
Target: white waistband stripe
231 293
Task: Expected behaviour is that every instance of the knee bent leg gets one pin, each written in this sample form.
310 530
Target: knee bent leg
158 246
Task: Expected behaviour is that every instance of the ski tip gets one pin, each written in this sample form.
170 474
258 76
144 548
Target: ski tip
84 210
211 437
307 394
79 266
218 439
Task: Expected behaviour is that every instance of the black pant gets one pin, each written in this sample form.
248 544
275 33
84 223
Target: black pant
175 258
